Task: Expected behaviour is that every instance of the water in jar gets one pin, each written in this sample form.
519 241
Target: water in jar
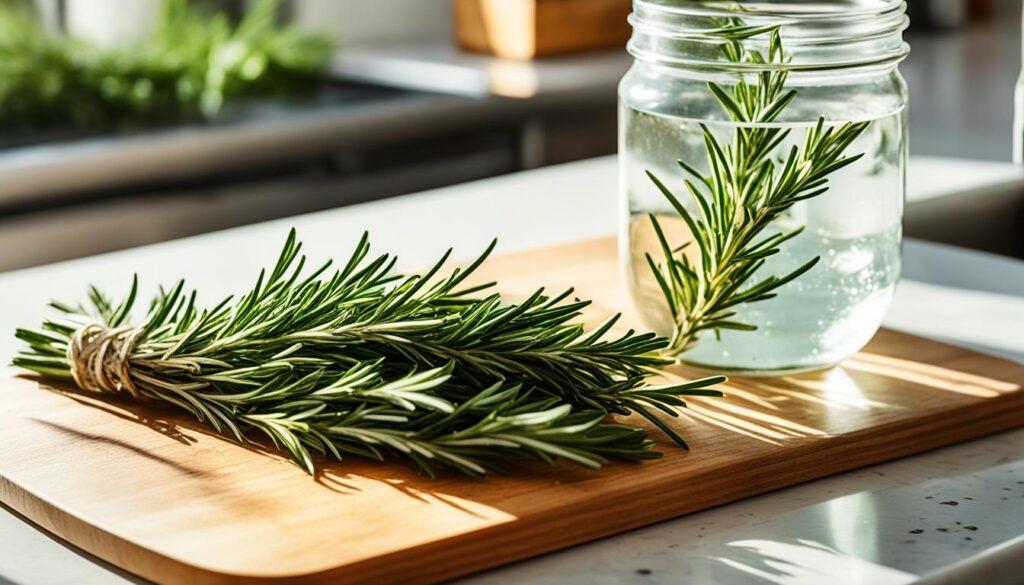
824 316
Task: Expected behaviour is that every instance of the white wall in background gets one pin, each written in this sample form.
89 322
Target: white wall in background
361 21
110 22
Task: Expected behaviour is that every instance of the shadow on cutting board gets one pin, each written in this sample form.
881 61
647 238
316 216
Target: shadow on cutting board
764 410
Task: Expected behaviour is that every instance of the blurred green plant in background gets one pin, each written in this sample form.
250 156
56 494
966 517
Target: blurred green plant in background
189 66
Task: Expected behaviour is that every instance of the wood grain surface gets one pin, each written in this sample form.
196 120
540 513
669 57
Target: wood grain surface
161 496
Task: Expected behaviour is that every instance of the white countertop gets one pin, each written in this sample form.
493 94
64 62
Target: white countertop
859 527
443 67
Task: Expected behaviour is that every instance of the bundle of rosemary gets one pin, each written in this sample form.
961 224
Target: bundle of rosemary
735 205
363 361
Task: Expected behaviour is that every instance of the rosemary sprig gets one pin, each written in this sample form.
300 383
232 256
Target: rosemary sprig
363 361
745 192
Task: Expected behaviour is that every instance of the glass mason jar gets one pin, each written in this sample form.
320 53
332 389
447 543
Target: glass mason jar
842 62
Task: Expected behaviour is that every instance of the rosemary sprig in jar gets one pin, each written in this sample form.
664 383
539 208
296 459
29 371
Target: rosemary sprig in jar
745 192
363 361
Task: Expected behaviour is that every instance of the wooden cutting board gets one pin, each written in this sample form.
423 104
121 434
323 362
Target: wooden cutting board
159 495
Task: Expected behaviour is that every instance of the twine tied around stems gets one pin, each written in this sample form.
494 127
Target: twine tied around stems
99 358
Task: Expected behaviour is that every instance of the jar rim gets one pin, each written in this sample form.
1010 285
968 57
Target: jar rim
719 8
820 34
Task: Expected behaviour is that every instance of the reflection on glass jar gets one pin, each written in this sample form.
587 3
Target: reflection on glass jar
843 59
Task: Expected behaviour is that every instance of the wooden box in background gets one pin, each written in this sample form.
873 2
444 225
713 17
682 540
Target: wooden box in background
524 29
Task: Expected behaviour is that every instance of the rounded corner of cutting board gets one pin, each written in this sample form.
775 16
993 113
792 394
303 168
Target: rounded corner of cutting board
81 535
